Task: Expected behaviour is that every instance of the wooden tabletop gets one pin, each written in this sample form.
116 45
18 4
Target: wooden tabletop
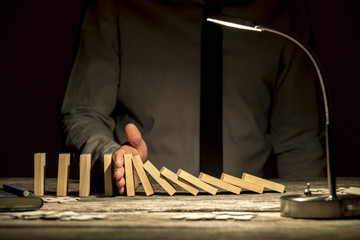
155 217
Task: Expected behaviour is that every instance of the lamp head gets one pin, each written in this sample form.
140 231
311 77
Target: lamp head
234 22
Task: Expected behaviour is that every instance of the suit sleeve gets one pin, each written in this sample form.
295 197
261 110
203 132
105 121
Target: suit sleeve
295 126
91 93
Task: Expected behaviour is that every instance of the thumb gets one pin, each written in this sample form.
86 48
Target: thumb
134 137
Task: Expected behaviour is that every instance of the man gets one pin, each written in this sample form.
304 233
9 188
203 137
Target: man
140 62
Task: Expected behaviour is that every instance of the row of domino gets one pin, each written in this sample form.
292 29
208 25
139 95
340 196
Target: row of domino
63 174
182 178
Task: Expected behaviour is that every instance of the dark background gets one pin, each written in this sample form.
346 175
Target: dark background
37 40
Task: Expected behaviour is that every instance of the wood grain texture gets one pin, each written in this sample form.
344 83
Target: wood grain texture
155 173
174 178
85 168
138 164
63 174
129 175
39 173
219 183
263 182
241 183
108 175
196 181
144 217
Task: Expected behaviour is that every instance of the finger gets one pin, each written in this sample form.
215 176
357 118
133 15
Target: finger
118 158
120 184
133 135
135 139
122 190
119 173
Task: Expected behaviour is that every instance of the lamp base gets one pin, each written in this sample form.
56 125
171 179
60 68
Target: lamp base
320 206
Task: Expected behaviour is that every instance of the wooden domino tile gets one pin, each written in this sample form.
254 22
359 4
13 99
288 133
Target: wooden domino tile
219 183
138 164
174 178
85 168
129 175
241 183
155 173
63 174
263 182
108 175
196 181
39 173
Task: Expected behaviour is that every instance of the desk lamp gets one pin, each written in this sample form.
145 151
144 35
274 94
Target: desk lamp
307 205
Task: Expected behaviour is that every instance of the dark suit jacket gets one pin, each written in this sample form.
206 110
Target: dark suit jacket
139 61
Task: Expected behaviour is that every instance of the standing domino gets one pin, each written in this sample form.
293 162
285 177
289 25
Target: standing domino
63 174
39 173
108 175
129 175
85 167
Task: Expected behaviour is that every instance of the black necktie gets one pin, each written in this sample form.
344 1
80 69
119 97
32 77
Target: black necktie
211 149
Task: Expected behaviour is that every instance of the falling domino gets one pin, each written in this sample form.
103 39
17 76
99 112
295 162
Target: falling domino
85 167
174 178
63 174
155 173
219 183
181 178
241 183
39 173
129 175
138 164
108 175
196 181
263 182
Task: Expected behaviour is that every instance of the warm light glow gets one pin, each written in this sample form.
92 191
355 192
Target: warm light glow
234 25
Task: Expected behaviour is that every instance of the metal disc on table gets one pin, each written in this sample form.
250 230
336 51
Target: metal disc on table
320 206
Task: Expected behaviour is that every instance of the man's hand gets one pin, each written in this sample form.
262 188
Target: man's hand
137 146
